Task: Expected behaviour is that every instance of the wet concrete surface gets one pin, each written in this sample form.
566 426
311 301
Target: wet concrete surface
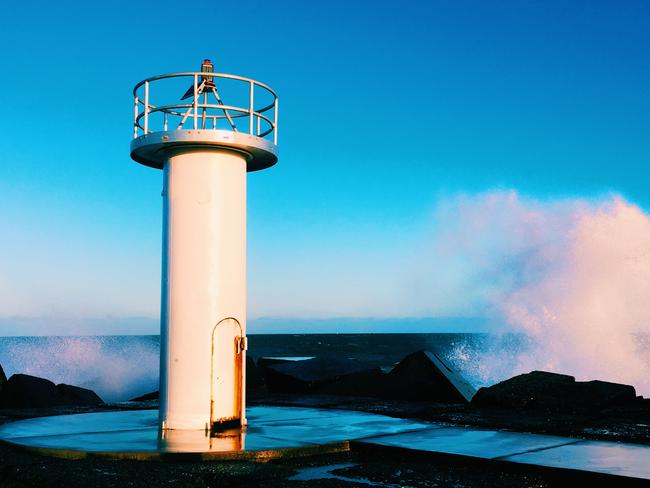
465 441
611 458
137 431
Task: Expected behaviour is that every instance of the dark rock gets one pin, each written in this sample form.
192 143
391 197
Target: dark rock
535 389
25 391
309 375
254 378
602 394
154 395
541 390
424 369
263 365
376 384
417 378
77 396
367 383
639 409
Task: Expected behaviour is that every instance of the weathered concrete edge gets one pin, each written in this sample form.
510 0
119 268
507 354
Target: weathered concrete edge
261 456
363 446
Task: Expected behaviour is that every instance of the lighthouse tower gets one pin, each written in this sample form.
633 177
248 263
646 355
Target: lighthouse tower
205 130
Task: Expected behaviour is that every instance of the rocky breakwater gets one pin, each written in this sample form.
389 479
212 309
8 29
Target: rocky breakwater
25 391
421 376
558 393
553 403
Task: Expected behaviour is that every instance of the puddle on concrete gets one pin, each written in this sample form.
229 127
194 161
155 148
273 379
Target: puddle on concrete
326 473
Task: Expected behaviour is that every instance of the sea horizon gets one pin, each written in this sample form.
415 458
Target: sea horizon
18 326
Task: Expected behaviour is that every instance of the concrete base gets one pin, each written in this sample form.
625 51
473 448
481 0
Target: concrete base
272 432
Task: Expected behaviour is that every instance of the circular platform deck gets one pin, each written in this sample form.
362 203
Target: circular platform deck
272 432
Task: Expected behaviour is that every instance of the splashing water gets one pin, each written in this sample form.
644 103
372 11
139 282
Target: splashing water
573 277
491 358
115 367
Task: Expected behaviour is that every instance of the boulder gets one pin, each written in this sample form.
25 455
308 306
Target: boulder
77 396
254 378
377 384
366 383
603 394
310 375
552 392
426 370
262 365
25 391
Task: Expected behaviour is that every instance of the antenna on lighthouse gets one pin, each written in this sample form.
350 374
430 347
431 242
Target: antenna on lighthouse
203 297
206 87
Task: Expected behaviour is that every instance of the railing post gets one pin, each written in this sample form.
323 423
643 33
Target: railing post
165 121
146 107
135 118
250 108
196 107
275 122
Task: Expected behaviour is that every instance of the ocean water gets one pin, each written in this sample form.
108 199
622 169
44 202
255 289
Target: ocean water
122 367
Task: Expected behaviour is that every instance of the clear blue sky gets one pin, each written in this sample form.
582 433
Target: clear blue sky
386 108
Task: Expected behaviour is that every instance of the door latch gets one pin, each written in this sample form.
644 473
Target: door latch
241 344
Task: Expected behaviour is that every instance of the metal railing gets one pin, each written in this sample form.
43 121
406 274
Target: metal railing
198 113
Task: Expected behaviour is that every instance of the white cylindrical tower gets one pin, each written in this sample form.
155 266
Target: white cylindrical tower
205 148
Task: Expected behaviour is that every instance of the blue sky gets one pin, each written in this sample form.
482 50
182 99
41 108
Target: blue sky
387 110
